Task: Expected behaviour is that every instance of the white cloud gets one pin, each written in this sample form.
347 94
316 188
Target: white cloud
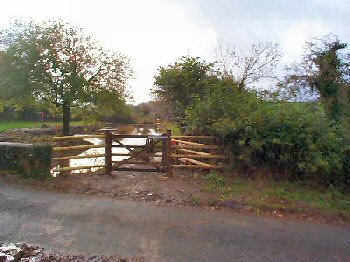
294 38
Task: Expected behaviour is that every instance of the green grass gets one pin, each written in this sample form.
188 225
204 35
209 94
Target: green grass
175 130
280 196
4 125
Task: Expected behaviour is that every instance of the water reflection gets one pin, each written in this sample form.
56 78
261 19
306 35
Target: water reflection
99 141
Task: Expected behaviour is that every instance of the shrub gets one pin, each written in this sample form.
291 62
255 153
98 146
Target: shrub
294 137
29 161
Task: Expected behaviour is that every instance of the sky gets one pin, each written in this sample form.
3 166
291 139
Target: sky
156 33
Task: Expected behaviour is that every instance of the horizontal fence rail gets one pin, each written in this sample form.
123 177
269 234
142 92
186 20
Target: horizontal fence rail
190 152
195 152
80 147
62 138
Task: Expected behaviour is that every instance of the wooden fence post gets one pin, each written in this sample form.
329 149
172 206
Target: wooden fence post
213 151
63 162
164 152
108 152
169 170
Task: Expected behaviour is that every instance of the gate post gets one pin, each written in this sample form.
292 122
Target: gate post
63 162
213 161
169 170
108 152
164 152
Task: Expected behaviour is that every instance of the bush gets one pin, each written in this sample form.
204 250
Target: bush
294 137
29 161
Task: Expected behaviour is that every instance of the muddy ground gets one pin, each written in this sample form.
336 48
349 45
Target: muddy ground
182 189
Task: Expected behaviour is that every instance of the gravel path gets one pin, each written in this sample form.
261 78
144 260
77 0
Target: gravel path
82 225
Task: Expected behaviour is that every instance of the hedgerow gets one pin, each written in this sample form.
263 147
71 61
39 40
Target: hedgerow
296 138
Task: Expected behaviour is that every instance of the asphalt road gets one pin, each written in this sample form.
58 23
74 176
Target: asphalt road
95 226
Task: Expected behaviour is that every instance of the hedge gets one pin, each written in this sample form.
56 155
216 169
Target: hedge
29 161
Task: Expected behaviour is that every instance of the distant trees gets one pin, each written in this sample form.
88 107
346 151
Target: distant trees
56 63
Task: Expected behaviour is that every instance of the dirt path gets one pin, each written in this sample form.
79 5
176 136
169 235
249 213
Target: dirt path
95 226
181 190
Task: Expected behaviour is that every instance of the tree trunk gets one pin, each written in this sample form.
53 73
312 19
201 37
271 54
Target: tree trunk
66 118
241 86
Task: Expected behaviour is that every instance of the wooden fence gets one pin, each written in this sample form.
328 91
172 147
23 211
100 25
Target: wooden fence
160 152
195 152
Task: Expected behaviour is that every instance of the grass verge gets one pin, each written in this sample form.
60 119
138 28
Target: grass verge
283 197
4 125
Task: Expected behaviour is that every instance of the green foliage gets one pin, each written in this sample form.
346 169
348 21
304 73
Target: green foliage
294 137
56 63
173 126
177 85
331 80
146 113
5 125
325 69
215 179
279 196
32 161
222 101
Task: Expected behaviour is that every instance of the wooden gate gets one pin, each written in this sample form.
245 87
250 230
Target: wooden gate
149 155
154 153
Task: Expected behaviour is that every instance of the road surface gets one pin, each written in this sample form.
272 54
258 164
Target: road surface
88 225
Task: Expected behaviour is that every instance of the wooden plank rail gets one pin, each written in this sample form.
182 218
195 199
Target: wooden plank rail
193 137
134 146
62 169
193 152
80 147
79 157
195 146
126 162
199 156
60 138
121 154
137 136
186 142
129 154
131 146
196 162
128 136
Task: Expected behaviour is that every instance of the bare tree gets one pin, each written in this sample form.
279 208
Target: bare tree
248 67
